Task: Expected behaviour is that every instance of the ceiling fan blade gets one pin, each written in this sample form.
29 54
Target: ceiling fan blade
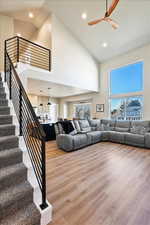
114 24
112 8
95 22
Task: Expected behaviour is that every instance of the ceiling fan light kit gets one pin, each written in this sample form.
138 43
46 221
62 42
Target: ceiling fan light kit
108 13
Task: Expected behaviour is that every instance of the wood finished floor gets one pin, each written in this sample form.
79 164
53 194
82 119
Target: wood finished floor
103 184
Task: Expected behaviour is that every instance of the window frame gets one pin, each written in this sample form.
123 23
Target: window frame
125 98
125 95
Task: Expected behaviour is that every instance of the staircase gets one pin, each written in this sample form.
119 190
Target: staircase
16 194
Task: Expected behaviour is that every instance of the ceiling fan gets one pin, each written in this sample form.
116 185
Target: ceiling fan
107 18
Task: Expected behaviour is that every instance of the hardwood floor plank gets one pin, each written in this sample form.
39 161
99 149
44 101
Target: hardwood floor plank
102 184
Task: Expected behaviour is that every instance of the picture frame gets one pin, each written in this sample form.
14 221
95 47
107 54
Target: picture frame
100 108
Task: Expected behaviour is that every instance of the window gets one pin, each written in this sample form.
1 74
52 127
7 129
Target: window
127 108
127 79
82 111
125 83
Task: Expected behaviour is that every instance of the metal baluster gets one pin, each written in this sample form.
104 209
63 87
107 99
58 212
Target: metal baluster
44 204
10 82
20 110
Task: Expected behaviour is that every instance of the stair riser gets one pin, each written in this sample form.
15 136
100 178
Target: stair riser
3 95
7 132
3 102
8 144
12 207
7 120
10 181
4 111
1 84
2 90
11 160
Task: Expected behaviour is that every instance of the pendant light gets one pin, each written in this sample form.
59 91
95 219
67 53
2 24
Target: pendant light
49 103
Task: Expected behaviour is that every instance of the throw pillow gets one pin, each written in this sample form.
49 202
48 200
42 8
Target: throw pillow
121 129
139 130
100 128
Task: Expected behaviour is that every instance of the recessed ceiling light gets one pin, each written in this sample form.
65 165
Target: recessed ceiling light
104 44
18 34
31 15
84 16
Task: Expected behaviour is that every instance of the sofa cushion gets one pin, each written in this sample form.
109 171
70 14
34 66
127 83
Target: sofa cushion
121 129
65 142
105 135
94 123
60 128
108 125
84 125
117 137
134 139
94 136
139 130
77 126
74 132
80 140
140 127
147 140
122 126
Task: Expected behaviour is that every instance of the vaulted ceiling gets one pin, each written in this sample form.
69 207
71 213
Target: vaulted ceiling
132 15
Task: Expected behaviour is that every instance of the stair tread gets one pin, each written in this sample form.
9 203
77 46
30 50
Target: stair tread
5 116
6 119
4 107
2 99
8 142
10 157
7 126
9 152
25 216
12 169
15 193
6 138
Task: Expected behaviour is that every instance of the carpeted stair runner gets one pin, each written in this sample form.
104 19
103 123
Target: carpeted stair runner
16 194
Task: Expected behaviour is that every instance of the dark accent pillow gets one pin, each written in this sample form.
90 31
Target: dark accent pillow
67 126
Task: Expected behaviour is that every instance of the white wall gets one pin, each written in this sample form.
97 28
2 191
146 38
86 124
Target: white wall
128 58
103 96
71 63
26 29
43 35
6 31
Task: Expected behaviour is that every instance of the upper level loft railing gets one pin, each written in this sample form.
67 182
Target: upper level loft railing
30 128
28 52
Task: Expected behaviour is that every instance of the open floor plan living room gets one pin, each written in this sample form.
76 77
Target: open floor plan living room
74 112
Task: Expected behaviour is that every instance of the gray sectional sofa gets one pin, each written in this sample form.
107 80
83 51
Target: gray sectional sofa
88 132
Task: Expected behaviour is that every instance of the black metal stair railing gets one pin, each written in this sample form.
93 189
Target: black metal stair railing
30 128
28 52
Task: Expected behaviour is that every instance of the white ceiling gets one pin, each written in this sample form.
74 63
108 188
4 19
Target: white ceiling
132 15
57 90
16 5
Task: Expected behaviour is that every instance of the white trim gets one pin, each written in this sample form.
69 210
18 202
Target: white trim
125 95
46 215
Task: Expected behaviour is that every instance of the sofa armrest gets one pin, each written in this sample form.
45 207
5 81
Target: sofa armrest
147 140
65 142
